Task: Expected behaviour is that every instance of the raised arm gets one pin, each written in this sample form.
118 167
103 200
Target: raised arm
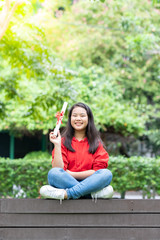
58 160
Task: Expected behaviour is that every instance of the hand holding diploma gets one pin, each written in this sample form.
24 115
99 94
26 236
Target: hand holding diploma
59 117
53 135
56 140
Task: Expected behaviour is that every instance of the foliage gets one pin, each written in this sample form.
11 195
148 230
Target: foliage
156 3
110 35
29 174
135 173
33 82
37 155
113 52
124 44
107 103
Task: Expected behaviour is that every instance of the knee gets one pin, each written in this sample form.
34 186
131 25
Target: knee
110 175
54 173
106 174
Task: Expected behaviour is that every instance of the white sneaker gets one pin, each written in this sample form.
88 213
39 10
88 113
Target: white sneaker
48 191
106 192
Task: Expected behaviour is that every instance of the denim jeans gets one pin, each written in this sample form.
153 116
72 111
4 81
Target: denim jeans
59 178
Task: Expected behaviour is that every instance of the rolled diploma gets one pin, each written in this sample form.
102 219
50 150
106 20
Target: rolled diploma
60 120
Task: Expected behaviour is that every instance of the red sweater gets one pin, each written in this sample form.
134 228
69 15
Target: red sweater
81 159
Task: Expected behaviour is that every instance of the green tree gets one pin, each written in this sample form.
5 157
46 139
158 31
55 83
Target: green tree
33 82
110 35
113 54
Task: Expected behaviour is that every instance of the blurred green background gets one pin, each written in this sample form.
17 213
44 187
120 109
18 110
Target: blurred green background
103 53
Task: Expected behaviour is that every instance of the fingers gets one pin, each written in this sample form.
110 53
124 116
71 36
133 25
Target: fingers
51 135
55 139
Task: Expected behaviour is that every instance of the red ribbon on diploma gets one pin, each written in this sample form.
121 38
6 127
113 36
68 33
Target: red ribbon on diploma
59 116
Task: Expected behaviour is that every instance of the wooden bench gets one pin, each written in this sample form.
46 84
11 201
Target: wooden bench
112 219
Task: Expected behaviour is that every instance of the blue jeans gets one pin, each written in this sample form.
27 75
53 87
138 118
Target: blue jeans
59 178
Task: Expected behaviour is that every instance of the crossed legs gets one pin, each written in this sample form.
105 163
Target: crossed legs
60 179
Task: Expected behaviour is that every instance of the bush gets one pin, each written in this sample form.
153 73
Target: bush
28 175
135 173
37 155
21 178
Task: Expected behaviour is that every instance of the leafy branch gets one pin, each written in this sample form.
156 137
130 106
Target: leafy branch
6 15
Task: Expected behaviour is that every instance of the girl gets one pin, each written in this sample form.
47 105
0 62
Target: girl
79 160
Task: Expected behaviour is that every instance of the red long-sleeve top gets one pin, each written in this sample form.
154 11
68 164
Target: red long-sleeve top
81 159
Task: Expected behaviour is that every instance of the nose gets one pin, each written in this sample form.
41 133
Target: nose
78 117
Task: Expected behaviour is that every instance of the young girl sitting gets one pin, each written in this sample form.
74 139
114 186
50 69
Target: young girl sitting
79 160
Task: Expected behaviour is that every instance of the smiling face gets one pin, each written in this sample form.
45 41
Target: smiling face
79 119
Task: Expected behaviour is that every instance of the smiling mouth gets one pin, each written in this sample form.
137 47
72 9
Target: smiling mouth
78 124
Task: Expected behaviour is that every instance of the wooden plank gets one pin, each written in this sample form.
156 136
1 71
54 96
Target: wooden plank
80 220
79 206
79 234
146 205
52 206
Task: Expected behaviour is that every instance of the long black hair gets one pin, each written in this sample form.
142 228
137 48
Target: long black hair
91 132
